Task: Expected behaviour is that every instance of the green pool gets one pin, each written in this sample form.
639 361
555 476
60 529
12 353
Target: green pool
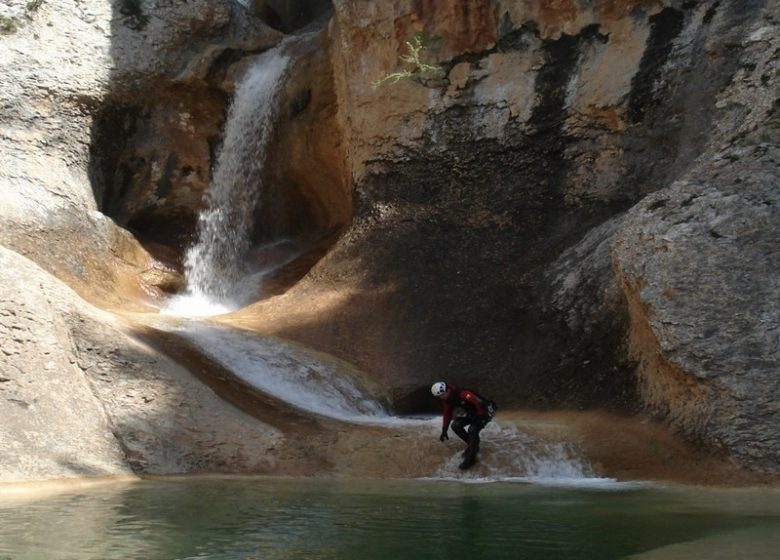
400 520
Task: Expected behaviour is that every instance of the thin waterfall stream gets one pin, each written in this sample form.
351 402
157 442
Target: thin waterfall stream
215 266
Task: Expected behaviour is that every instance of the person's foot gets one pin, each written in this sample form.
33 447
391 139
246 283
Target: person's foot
468 462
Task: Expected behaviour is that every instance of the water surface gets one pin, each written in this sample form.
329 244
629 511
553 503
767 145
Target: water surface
310 519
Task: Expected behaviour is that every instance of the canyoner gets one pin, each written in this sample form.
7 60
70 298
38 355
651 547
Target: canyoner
477 412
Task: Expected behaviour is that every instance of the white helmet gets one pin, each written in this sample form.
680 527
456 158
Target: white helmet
438 388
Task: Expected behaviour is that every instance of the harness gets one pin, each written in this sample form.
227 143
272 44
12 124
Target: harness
489 407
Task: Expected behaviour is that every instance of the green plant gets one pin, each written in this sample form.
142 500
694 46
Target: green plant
7 25
419 70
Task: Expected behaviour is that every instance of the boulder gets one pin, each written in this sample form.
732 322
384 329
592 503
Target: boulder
698 263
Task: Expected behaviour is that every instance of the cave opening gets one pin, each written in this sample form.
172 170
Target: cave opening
290 16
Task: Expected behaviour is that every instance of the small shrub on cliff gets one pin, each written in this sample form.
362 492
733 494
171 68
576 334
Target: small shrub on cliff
419 70
7 25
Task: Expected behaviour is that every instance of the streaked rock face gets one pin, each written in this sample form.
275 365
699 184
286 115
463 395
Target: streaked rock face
549 120
487 198
698 262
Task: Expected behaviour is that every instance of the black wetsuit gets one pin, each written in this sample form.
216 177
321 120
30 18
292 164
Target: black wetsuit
478 412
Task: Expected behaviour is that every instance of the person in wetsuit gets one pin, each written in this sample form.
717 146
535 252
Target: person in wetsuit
478 412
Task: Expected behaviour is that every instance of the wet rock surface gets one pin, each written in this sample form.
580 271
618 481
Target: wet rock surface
468 190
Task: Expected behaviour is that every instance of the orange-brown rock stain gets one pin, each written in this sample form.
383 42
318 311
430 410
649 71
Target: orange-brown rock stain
665 389
461 25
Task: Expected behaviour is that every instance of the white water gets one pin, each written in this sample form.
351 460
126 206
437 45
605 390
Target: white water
215 264
284 371
510 455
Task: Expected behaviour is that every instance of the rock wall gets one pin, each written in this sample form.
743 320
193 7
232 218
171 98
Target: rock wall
542 121
698 262
47 99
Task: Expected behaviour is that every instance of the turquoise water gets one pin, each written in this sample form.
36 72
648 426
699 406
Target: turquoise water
307 519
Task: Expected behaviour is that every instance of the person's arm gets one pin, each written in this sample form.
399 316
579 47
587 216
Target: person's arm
468 396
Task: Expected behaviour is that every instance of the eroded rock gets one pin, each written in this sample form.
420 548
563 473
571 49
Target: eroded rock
81 397
699 265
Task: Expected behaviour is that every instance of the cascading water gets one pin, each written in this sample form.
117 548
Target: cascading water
288 373
511 454
214 265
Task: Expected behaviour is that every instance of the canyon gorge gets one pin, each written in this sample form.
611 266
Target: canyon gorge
572 206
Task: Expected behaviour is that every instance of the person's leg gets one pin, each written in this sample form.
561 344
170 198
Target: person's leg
470 455
459 427
474 428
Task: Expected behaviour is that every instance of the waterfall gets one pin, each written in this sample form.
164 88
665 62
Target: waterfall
214 265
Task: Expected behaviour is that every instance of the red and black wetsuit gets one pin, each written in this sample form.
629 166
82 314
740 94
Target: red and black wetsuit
468 400
479 411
